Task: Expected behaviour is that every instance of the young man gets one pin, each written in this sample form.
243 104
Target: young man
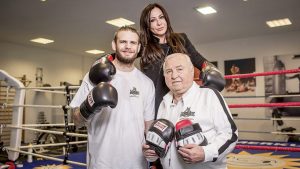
203 106
115 135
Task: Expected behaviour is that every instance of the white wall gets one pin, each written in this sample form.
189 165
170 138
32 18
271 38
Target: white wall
19 60
284 45
57 66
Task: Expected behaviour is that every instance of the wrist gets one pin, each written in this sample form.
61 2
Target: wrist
84 111
79 120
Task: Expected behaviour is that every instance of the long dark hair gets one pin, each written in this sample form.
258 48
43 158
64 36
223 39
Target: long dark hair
151 51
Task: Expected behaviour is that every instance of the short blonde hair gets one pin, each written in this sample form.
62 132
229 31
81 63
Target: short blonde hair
126 28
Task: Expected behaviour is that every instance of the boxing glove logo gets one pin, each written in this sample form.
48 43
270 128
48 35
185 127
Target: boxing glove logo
159 136
90 99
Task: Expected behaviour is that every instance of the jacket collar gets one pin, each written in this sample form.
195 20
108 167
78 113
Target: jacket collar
187 97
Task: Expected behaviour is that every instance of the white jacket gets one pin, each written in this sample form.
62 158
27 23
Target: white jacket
208 108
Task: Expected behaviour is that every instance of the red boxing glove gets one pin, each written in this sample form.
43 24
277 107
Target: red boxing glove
189 133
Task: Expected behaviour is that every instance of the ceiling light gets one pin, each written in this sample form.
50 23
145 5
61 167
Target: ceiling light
279 22
206 10
94 51
42 40
119 22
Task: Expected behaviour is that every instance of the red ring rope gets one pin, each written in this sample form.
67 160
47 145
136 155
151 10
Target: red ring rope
262 74
273 148
287 104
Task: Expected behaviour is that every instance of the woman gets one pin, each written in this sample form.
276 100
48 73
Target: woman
158 40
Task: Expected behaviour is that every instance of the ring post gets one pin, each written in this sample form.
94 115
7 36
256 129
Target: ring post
17 114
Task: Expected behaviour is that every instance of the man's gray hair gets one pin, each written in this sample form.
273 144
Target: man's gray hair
188 59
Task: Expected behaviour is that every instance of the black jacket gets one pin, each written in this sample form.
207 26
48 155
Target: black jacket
155 70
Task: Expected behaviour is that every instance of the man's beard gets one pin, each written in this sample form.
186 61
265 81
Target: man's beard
125 60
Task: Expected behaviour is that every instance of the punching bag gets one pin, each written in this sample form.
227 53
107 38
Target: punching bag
279 84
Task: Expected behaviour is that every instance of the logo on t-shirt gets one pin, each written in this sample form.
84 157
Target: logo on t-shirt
134 93
187 113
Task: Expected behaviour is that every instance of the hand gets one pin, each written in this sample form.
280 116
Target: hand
192 153
149 154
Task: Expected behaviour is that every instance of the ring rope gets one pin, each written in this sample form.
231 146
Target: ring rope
46 125
273 148
51 91
238 97
51 145
4 105
269 96
284 133
267 132
49 88
272 119
248 131
286 95
262 74
286 104
49 131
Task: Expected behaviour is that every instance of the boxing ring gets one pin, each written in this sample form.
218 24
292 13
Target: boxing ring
265 154
17 126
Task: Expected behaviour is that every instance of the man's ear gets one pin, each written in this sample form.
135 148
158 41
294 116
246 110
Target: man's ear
113 45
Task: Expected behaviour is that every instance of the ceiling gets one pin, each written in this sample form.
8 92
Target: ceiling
79 25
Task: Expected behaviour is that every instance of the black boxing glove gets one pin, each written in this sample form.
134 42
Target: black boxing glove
104 94
102 70
212 77
159 136
189 133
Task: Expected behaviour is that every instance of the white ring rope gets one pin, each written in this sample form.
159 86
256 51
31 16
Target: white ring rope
47 125
50 88
284 133
49 131
36 106
46 157
51 91
51 145
285 95
268 132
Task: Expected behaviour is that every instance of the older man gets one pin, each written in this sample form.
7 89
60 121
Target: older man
205 106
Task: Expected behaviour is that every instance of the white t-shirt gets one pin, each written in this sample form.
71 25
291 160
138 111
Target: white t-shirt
208 108
116 136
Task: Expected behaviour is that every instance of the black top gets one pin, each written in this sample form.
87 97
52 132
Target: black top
155 70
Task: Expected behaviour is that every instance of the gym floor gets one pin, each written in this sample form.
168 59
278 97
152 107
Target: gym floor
238 159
